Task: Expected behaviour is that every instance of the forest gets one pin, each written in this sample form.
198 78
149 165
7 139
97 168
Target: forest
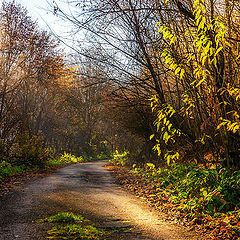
152 84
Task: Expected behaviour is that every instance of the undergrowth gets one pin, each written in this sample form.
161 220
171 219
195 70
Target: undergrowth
119 159
203 197
43 158
104 155
196 189
66 158
9 168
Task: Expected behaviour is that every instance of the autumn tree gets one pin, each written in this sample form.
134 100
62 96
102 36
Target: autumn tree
34 81
200 54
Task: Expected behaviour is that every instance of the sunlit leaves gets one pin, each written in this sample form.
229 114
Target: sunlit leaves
206 58
169 59
230 126
171 157
165 128
188 105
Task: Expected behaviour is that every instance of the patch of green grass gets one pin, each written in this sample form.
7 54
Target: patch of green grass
71 226
75 231
64 217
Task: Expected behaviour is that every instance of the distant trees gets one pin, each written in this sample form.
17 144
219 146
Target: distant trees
43 102
28 63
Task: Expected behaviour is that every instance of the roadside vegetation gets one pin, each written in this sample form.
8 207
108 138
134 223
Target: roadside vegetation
12 167
71 226
204 199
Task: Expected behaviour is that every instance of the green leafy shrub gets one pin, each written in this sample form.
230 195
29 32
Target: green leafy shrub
7 169
30 151
103 155
65 159
229 188
69 158
120 159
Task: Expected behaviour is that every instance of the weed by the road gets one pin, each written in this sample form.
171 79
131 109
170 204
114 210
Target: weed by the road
71 226
65 159
7 169
75 231
11 168
64 217
120 159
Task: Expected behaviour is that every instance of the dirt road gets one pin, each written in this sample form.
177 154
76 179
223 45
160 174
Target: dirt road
87 189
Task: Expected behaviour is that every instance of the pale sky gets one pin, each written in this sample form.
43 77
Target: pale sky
39 10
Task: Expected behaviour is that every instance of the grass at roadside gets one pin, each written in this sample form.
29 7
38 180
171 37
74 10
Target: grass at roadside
8 169
71 226
204 199
13 168
65 158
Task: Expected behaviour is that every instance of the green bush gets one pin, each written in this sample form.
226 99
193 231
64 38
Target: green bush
7 169
120 159
30 151
103 156
65 159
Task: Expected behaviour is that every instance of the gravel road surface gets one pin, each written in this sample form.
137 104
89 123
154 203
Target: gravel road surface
87 189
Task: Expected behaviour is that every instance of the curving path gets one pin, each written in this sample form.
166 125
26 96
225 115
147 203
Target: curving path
87 189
